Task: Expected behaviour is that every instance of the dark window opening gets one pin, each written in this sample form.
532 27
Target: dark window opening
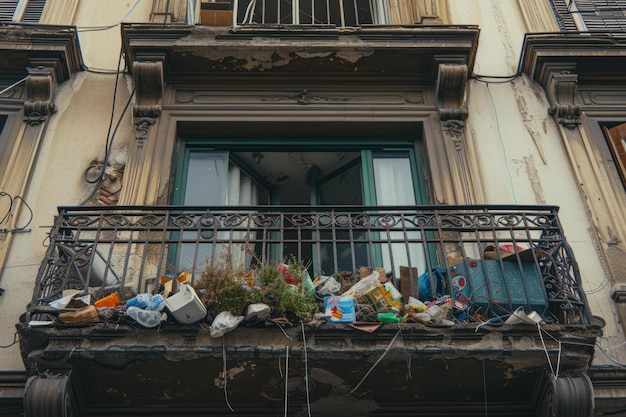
3 120
616 139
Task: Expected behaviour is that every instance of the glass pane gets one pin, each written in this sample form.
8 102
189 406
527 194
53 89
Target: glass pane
342 188
342 250
207 174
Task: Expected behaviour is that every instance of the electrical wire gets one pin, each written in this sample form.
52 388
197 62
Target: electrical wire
376 363
306 373
12 204
10 344
225 375
508 170
13 85
485 388
107 27
110 134
286 379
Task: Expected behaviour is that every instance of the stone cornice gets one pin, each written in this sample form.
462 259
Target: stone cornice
596 57
562 63
54 47
203 53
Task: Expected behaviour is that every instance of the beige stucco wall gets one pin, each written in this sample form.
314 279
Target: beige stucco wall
75 136
521 156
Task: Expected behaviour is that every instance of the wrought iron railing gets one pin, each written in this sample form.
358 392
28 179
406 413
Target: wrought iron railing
494 258
340 13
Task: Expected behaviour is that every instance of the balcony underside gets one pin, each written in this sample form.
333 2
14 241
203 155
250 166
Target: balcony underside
200 54
438 371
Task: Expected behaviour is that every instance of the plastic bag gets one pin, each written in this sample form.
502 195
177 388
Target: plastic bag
329 286
147 318
389 317
146 301
224 323
364 286
69 295
426 292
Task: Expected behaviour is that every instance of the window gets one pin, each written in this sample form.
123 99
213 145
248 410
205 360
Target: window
590 15
616 138
25 11
307 12
171 11
336 175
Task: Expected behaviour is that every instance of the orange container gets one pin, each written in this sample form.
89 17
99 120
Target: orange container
110 300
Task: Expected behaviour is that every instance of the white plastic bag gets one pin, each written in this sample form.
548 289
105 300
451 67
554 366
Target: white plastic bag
329 286
364 286
224 323
147 318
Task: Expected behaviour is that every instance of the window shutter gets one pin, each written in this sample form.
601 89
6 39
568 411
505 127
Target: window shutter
617 142
563 16
169 11
7 8
33 11
598 15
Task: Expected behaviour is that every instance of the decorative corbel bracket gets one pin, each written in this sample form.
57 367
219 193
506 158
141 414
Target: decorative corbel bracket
40 90
561 85
149 86
451 92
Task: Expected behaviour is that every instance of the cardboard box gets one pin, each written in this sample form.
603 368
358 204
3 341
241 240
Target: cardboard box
504 284
216 14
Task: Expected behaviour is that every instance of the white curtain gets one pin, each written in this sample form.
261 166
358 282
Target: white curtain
394 186
241 191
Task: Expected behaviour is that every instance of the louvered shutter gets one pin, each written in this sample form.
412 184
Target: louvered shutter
7 8
563 16
33 11
598 15
169 11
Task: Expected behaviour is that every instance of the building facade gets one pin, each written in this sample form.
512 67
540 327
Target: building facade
451 109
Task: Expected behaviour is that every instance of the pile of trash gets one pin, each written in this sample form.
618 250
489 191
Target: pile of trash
280 294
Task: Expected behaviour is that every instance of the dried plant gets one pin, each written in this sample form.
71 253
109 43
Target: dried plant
282 286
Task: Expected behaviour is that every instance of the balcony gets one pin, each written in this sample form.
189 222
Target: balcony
508 258
508 253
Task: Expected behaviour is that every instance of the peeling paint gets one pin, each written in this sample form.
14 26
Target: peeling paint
535 180
532 125
489 341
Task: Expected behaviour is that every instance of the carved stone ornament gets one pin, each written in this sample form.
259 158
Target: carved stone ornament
451 86
562 88
148 79
304 97
40 90
142 129
454 129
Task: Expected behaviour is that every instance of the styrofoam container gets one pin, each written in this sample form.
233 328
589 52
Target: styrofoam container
185 305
